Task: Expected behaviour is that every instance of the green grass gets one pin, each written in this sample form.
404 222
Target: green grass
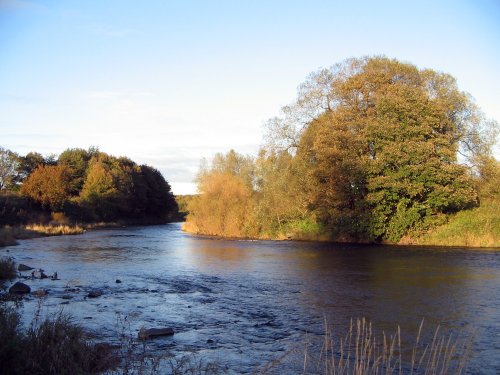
479 227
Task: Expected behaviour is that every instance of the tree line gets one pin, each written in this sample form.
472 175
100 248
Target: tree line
373 149
84 185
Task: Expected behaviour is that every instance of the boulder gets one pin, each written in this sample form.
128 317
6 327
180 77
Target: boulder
145 334
94 293
19 288
24 267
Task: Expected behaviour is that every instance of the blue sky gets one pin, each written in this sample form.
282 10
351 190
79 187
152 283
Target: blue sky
169 82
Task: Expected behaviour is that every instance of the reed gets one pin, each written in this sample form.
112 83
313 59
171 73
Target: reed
359 352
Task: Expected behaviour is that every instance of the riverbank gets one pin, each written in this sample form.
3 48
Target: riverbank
475 228
9 235
478 227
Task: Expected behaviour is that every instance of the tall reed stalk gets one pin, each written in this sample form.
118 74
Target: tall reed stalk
360 353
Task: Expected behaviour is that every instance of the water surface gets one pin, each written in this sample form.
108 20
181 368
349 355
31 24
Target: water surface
243 303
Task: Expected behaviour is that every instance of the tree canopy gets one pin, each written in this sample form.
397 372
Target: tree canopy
89 185
373 149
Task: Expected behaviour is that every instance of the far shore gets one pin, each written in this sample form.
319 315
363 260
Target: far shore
407 242
10 234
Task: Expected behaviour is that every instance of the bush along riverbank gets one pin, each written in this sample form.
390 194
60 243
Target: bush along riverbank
478 227
475 228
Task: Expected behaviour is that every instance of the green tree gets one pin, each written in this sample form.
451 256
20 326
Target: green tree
77 159
383 158
157 200
372 149
281 199
28 163
488 179
107 187
117 188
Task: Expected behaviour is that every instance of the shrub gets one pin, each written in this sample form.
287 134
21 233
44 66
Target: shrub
7 269
56 346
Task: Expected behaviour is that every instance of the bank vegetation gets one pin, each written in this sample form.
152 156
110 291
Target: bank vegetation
52 195
372 150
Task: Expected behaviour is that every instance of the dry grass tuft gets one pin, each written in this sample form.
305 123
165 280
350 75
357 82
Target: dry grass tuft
54 346
55 230
359 352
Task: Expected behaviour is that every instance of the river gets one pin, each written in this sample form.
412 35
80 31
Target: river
245 303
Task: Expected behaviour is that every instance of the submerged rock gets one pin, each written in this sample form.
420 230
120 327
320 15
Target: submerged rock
24 267
145 334
94 293
19 288
41 292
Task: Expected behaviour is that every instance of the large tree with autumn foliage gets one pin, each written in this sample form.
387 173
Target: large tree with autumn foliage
373 149
49 185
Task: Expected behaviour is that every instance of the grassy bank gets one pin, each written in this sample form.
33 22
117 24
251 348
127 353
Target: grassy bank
479 227
9 235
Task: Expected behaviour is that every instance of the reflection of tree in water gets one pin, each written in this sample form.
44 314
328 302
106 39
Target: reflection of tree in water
219 255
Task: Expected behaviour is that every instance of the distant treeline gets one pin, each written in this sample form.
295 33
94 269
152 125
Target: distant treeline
83 185
373 149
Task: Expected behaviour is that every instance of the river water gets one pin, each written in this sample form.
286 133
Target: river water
244 303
